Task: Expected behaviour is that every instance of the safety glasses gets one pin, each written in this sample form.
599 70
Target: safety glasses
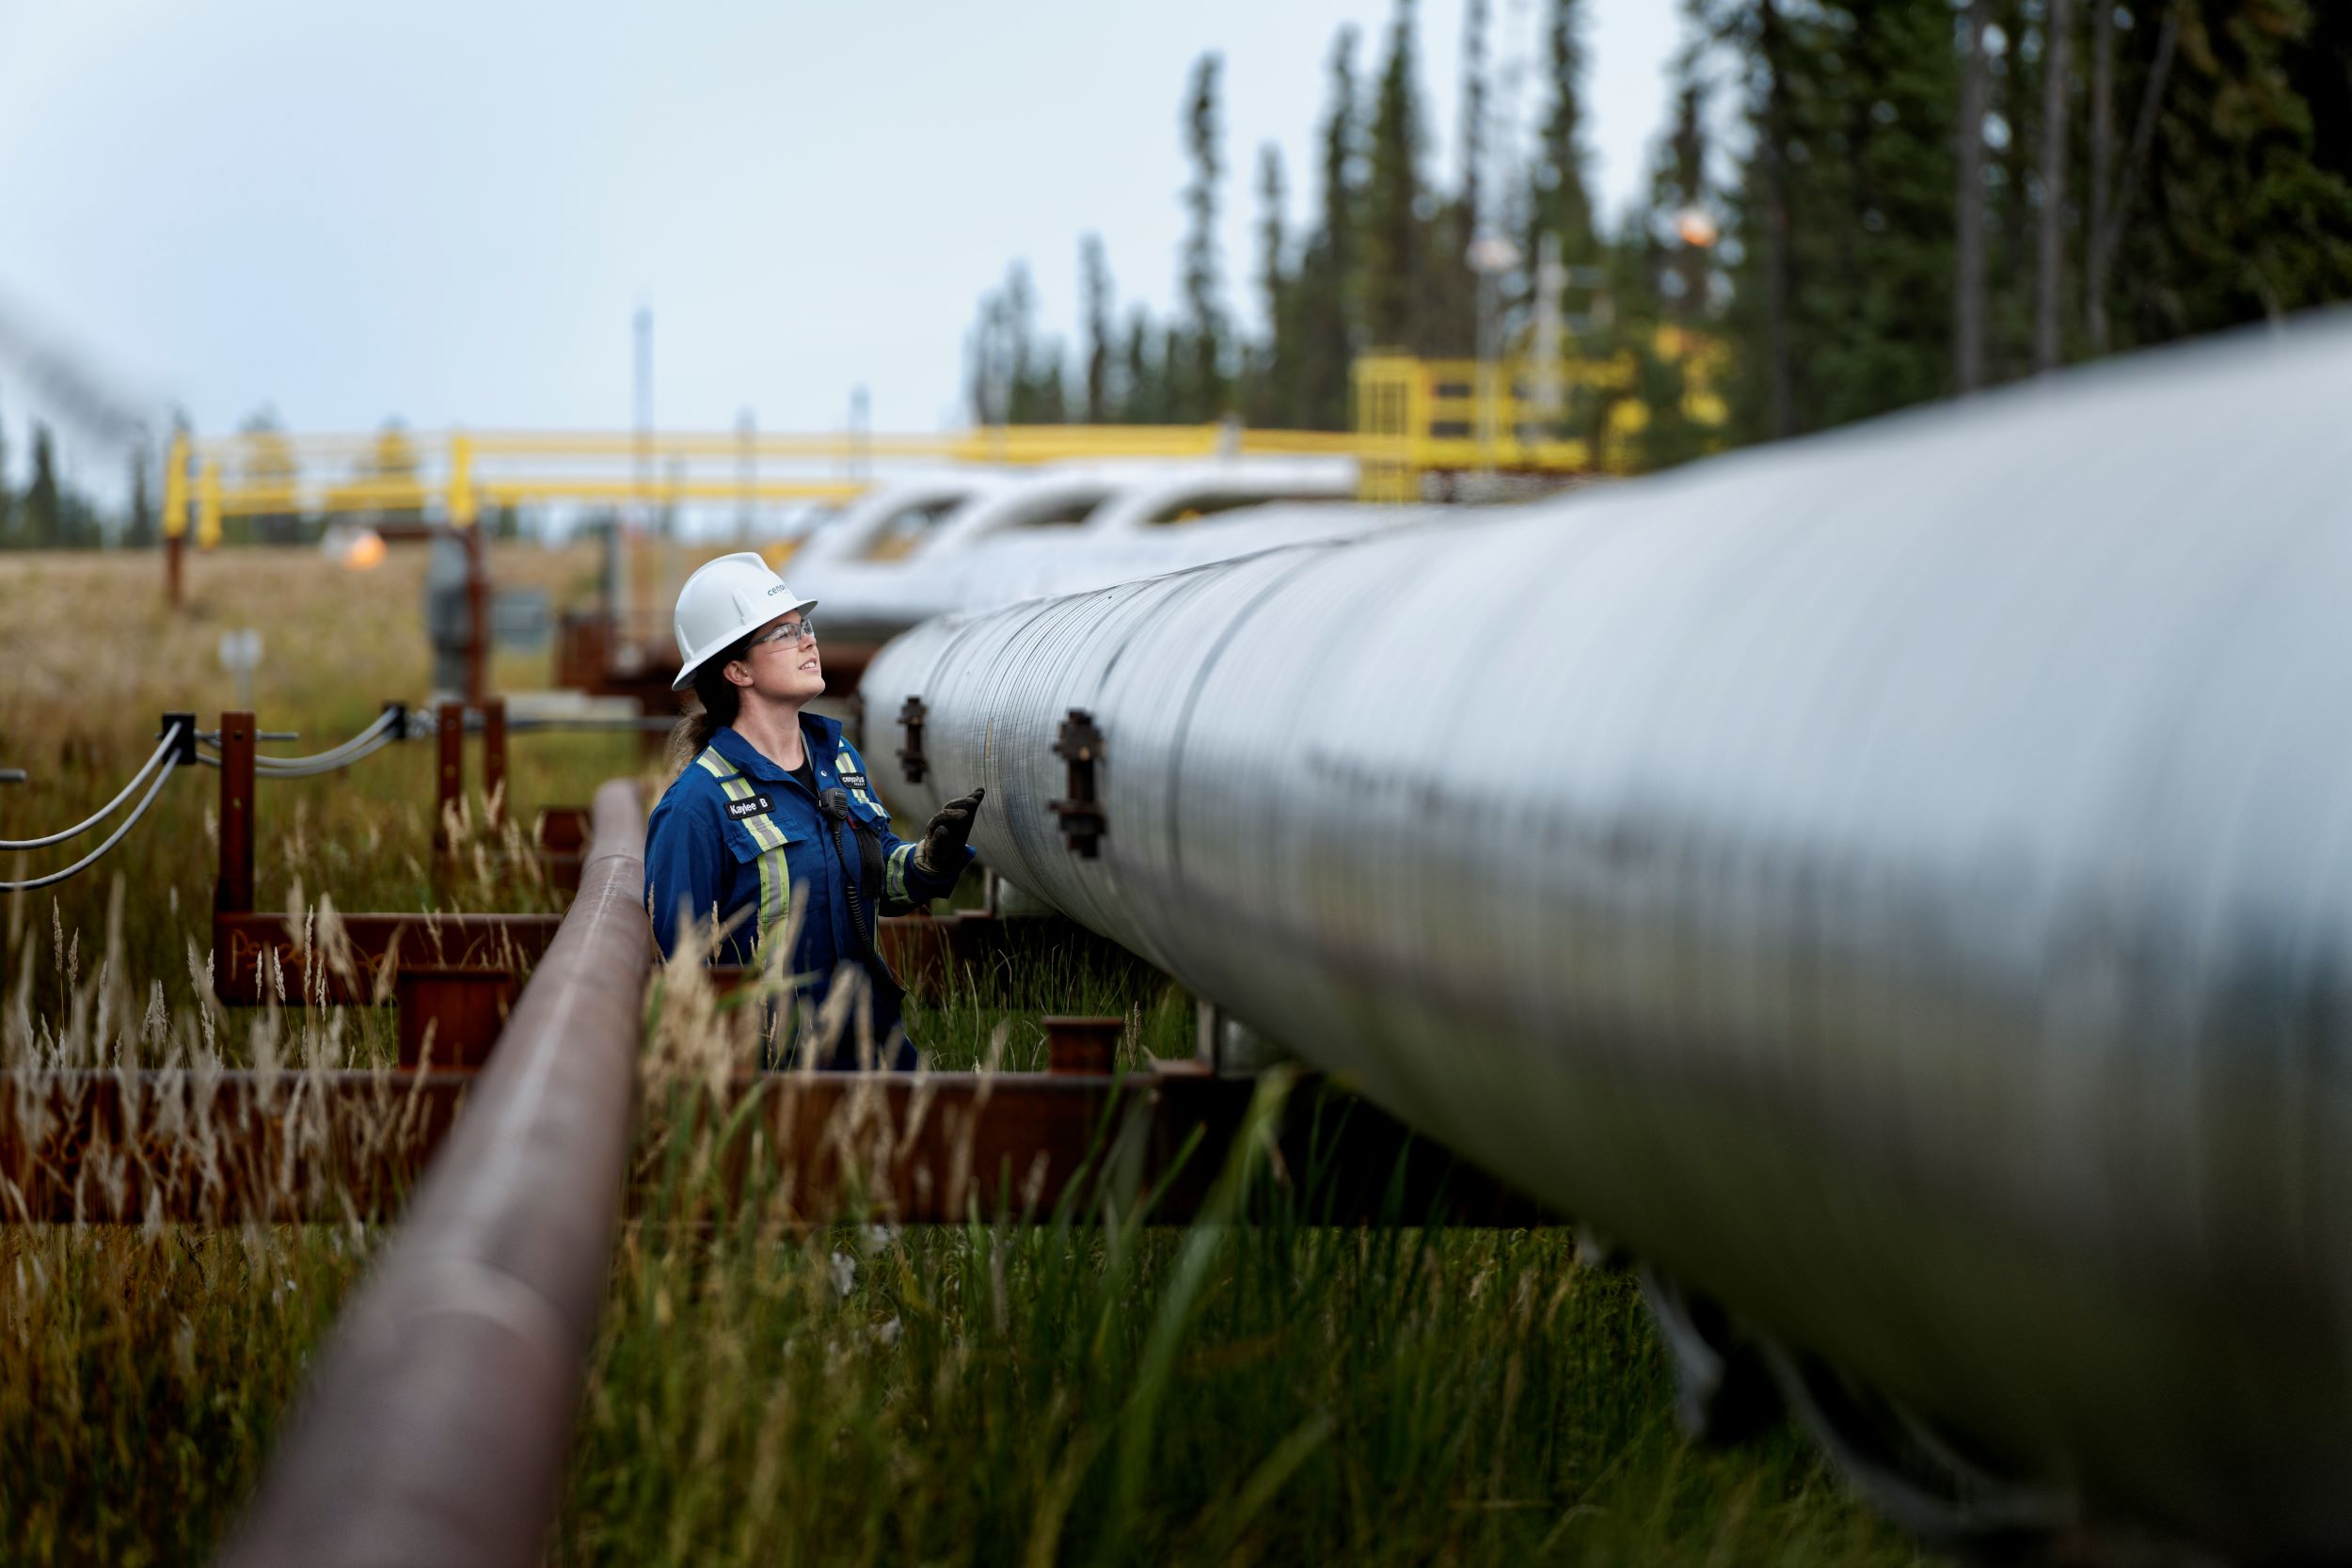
802 630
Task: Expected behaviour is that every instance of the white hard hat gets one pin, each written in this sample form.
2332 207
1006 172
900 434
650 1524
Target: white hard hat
726 599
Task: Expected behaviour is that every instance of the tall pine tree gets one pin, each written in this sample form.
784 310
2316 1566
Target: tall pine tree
1561 201
1843 293
1449 289
1203 390
1144 393
2244 213
43 522
1094 280
1328 315
139 524
8 496
1905 213
1394 241
1274 364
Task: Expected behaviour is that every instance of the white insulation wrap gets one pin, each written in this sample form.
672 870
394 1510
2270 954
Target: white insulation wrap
1897 883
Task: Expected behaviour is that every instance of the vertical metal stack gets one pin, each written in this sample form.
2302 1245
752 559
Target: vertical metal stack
1899 882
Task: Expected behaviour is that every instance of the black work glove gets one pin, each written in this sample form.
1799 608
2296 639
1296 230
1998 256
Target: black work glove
944 840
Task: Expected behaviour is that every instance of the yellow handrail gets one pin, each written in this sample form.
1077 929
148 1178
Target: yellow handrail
1414 418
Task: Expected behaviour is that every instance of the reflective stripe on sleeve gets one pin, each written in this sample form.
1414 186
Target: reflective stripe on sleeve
895 877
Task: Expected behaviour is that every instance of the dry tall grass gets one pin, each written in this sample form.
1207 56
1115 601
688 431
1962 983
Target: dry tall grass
143 1368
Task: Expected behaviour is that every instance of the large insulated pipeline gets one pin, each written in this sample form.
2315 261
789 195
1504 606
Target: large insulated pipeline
1897 883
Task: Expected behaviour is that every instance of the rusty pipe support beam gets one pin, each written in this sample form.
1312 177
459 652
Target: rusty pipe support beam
232 892
449 779
477 616
360 957
1075 1045
181 1148
357 959
944 1147
435 1426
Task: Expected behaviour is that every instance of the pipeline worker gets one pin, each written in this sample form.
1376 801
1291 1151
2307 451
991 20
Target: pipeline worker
772 832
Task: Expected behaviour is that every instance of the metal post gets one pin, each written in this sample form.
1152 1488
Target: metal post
208 505
635 584
234 892
860 450
175 515
450 778
458 501
494 761
1083 1047
477 618
1551 282
1490 257
1209 1034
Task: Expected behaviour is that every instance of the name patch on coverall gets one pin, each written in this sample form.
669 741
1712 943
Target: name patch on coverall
759 805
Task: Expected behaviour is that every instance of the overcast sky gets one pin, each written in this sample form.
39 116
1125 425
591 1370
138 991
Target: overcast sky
447 210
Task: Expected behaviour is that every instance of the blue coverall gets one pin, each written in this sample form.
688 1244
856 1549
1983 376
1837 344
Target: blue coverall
741 838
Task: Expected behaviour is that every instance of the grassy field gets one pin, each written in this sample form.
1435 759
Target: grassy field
1254 1392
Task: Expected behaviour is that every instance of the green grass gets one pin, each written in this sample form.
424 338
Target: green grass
1229 1392
991 1014
1249 1389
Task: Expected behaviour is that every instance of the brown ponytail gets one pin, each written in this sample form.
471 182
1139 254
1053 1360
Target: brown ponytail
717 700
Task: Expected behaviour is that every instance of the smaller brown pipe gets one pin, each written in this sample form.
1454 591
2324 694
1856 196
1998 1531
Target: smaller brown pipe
232 893
435 1426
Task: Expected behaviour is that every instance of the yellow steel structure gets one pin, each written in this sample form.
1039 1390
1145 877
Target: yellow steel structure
1420 417
1414 418
454 474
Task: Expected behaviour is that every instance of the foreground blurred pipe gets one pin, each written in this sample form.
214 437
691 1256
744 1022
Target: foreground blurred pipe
437 1425
1899 882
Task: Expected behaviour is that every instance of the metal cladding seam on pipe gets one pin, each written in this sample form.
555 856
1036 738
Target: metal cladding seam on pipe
1896 881
437 1424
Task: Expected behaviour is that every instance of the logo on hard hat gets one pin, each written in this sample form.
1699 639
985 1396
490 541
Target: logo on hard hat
778 588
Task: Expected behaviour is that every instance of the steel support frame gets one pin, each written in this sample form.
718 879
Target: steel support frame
232 889
263 956
923 1147
453 977
559 836
449 783
918 1149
